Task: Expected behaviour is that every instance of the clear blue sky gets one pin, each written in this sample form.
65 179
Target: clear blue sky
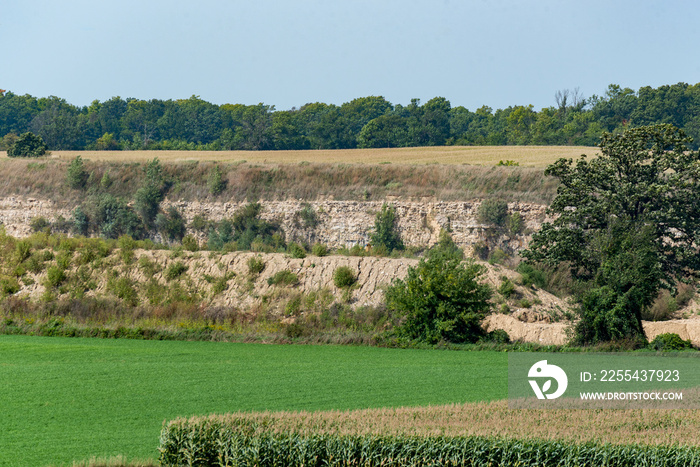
288 53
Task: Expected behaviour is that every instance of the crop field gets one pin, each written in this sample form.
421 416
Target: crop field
66 399
526 156
490 418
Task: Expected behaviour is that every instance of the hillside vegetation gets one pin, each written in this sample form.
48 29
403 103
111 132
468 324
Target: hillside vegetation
189 180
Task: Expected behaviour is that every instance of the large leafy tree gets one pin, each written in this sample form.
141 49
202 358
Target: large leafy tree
441 299
628 221
28 145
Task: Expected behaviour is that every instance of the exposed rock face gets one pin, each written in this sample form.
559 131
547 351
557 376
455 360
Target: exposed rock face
340 223
16 213
345 224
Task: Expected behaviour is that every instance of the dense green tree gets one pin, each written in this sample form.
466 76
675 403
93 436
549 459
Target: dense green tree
358 112
141 122
171 225
519 122
372 121
76 175
325 126
17 112
148 198
255 128
59 124
645 180
112 217
249 227
27 145
385 233
460 118
287 132
435 122
386 131
441 299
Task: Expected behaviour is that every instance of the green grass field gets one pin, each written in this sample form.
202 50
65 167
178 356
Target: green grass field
66 399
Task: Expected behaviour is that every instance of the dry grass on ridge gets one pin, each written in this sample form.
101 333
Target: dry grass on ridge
46 178
647 427
526 156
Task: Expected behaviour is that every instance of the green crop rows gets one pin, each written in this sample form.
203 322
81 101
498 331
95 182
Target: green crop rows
66 399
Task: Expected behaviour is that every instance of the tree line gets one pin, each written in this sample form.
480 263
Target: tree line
366 122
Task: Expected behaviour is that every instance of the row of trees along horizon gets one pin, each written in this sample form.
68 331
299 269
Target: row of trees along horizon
367 122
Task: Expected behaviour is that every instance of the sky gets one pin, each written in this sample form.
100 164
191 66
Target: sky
289 53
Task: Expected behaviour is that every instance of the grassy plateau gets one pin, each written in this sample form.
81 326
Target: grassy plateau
527 156
67 399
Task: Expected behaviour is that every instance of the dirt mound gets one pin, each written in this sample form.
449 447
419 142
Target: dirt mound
541 333
555 333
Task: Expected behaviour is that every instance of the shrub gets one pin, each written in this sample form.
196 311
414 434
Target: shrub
220 235
497 256
8 286
441 299
684 294
498 336
248 227
344 276
175 270
113 217
515 224
481 250
255 265
106 181
123 288
306 217
219 284
662 309
531 275
81 222
385 233
76 175
62 225
190 243
507 288
199 223
319 249
216 182
293 306
670 341
171 225
493 211
28 145
23 250
296 251
284 277
147 203
446 246
7 141
55 276
126 245
39 224
606 316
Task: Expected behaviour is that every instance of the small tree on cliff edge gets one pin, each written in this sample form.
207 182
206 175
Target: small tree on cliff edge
385 234
627 222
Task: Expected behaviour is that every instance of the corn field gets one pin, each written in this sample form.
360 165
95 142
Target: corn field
242 443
